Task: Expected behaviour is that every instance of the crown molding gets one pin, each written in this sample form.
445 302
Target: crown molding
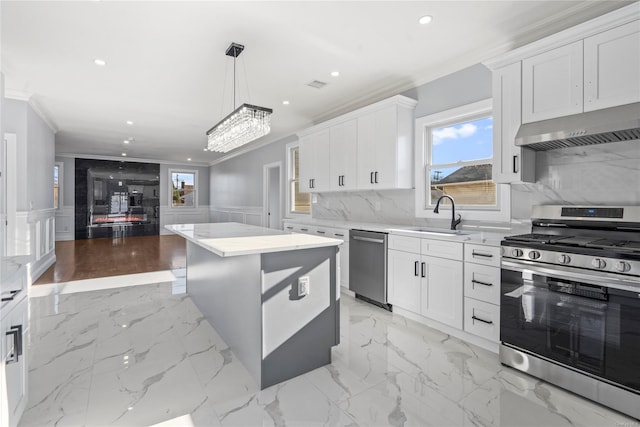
15 94
35 105
602 23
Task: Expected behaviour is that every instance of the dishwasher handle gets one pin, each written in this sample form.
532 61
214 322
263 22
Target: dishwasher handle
368 239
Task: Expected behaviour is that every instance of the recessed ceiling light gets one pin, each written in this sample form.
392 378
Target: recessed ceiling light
126 141
100 62
189 159
425 19
129 122
205 149
124 155
335 73
285 102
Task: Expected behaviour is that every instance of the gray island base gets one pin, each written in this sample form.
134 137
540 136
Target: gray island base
244 279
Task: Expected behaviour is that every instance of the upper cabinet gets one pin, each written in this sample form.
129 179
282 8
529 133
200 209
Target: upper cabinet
552 84
597 72
314 153
370 148
510 162
342 161
612 67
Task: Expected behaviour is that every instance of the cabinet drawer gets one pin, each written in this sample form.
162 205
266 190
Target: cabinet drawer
482 254
442 249
482 319
405 244
482 282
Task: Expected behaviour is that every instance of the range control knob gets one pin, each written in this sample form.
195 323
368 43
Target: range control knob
516 252
623 266
564 259
598 263
534 254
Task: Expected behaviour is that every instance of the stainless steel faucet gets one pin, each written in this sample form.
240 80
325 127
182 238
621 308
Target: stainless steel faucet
454 221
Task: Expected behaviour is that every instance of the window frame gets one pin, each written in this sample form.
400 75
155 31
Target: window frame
196 183
423 126
60 167
289 212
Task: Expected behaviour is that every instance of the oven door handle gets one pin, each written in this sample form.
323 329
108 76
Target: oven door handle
605 279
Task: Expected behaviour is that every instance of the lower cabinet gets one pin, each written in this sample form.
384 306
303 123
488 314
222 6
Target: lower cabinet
335 233
13 346
425 284
482 319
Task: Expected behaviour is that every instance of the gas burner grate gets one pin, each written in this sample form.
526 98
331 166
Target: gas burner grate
537 238
625 245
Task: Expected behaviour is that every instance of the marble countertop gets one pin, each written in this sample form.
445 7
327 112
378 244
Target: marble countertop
227 239
487 235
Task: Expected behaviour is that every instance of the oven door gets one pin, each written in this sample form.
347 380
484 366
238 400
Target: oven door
588 321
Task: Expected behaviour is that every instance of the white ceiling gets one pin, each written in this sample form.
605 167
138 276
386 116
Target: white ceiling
167 71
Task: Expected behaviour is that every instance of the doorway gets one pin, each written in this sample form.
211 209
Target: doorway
272 197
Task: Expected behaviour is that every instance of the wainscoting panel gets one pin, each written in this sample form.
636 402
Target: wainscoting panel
34 238
243 214
64 223
169 215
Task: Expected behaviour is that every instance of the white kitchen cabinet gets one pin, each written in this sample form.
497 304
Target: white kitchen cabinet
343 160
336 233
385 148
612 67
442 300
315 153
404 281
13 347
510 162
482 290
552 83
423 283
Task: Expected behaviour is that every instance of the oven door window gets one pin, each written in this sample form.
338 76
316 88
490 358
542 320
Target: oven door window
578 325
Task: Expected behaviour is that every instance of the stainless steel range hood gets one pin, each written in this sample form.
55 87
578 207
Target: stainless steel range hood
594 127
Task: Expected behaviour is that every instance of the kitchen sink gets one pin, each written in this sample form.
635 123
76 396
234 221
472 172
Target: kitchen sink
435 231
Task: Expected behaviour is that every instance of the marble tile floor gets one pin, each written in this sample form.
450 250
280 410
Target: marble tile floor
143 355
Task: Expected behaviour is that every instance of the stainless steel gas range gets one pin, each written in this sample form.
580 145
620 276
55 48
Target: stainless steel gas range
570 302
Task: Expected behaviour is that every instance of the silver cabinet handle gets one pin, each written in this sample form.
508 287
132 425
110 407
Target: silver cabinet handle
480 254
16 333
488 322
477 282
368 239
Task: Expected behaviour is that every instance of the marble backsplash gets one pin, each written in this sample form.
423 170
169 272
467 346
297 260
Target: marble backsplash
605 174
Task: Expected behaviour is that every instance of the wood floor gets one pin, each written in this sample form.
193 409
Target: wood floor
92 258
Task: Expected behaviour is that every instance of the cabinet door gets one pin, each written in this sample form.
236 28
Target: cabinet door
612 67
305 160
510 163
552 84
321 161
366 162
404 280
442 292
343 155
15 370
385 145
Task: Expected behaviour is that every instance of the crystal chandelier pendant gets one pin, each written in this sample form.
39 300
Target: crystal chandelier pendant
245 124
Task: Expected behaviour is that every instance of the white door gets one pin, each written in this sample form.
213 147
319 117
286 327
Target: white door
366 151
442 296
404 280
343 156
386 144
272 200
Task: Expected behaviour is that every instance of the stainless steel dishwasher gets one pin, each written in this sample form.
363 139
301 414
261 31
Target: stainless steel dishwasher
368 266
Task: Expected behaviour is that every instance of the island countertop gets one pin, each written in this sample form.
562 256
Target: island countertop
228 239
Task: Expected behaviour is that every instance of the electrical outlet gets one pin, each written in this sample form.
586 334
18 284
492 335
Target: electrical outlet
303 286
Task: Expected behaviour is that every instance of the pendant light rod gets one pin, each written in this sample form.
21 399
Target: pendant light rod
234 49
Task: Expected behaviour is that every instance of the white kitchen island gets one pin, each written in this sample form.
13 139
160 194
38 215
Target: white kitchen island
244 280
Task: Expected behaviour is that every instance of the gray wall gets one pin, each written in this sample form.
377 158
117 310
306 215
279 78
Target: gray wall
238 181
68 180
36 151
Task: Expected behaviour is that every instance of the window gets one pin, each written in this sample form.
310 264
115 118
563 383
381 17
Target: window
183 188
57 186
460 164
298 202
455 153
